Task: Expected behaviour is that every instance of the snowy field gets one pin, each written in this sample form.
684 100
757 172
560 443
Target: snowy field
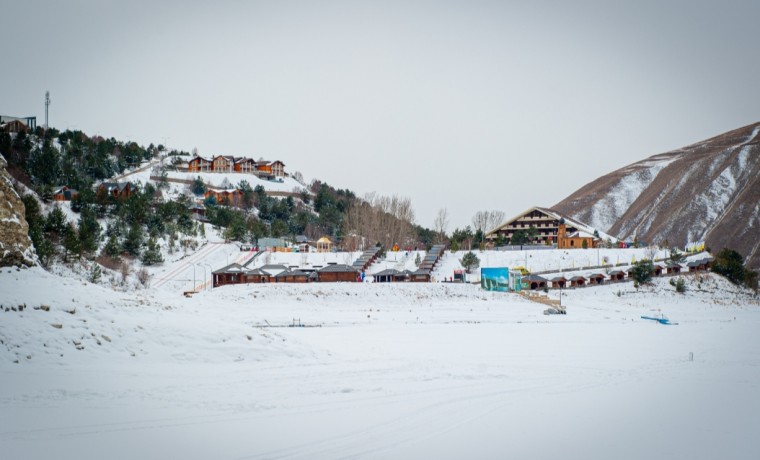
402 371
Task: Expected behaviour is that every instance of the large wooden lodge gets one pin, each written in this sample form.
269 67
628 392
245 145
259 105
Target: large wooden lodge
549 228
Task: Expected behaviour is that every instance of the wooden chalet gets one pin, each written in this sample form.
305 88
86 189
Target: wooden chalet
117 189
199 164
338 272
245 165
278 168
223 163
577 281
596 278
657 270
559 282
64 194
421 275
617 275
231 274
264 169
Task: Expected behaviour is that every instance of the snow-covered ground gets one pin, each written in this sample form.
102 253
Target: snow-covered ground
379 371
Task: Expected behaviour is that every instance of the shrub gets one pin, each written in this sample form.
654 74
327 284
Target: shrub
680 285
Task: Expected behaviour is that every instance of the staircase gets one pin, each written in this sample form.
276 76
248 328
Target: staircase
367 258
432 257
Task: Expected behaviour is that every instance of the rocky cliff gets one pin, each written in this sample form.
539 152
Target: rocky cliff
708 191
15 246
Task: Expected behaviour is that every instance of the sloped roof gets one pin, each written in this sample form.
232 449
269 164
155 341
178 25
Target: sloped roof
231 268
273 269
534 278
341 268
569 221
388 272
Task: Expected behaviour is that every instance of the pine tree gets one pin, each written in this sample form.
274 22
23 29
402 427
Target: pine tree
152 253
112 248
470 261
134 240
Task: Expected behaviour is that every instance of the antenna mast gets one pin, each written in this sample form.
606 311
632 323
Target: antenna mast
47 104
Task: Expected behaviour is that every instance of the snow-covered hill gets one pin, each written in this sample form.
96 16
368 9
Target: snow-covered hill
709 191
409 370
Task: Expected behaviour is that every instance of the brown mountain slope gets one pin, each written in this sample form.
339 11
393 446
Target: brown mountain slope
708 191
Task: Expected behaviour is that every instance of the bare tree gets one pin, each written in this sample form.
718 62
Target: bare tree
485 221
387 220
495 218
480 221
441 223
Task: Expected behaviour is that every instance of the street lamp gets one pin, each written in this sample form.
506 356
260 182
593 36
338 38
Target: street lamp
211 274
204 274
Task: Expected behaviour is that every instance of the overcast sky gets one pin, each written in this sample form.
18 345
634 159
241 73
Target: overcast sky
464 105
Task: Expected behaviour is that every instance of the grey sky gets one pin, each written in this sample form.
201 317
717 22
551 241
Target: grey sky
464 105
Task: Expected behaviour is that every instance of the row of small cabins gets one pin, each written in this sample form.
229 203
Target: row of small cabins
238 274
534 282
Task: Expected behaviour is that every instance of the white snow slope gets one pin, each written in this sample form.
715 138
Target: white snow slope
401 371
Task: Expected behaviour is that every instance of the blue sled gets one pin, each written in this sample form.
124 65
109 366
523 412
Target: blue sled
663 320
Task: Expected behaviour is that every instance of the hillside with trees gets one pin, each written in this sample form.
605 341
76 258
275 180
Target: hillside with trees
109 229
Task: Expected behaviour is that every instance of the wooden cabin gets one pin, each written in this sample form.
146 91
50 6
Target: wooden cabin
673 268
617 275
338 273
120 190
559 282
295 276
577 281
534 282
696 266
596 278
386 276
64 194
657 270
231 274
421 275
257 276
